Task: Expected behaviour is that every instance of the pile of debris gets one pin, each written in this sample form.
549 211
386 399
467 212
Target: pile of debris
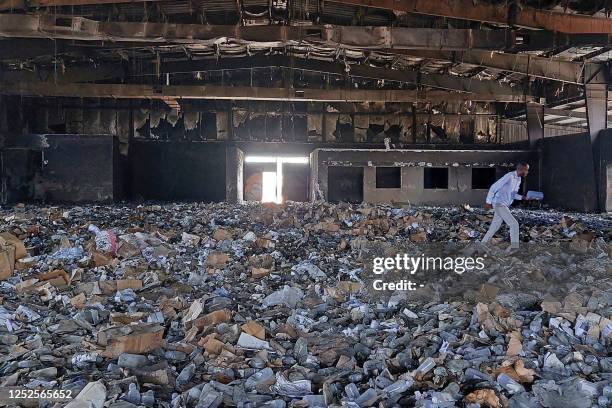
206 305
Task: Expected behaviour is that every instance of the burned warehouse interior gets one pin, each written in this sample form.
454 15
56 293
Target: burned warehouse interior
217 203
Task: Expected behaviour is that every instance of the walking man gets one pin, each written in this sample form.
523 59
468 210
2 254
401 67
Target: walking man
501 195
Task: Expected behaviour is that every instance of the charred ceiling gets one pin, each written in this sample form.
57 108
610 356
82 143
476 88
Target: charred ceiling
414 51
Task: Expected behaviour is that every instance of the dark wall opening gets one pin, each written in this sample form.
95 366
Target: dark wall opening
345 184
435 178
483 177
568 175
388 177
178 171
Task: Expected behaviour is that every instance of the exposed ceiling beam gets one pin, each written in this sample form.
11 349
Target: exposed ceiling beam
242 93
593 54
22 4
526 64
568 113
57 27
565 113
459 9
18 49
89 73
440 81
79 28
499 14
417 38
65 75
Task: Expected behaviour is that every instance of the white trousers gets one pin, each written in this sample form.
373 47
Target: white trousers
502 214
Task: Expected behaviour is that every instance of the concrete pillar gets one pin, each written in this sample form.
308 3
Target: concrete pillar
597 79
597 108
596 82
535 123
234 162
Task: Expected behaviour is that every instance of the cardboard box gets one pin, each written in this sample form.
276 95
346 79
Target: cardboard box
20 249
7 260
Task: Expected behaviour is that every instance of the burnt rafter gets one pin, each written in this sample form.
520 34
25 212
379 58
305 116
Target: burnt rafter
525 64
456 45
439 81
566 113
397 38
79 28
498 14
215 92
85 73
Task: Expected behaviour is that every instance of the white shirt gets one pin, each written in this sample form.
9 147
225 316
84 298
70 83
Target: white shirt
504 191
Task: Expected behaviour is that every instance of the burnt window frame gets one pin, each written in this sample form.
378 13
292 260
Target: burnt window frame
394 168
494 179
436 168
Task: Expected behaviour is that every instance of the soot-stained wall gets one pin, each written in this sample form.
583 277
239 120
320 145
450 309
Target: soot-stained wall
178 170
78 168
568 172
413 165
18 173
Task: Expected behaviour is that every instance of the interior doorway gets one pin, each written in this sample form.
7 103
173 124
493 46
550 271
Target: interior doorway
269 187
276 178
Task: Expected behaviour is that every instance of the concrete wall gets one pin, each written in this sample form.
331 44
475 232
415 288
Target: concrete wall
412 191
568 176
18 173
84 168
88 168
413 164
78 168
66 168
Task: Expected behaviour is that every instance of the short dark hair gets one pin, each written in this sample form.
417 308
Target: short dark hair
522 164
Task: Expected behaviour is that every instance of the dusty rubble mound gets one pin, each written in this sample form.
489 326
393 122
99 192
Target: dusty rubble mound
193 305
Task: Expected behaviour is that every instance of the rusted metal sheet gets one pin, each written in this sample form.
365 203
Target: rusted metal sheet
244 93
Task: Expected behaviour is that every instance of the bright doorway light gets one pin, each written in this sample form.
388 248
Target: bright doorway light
268 187
260 159
275 159
272 182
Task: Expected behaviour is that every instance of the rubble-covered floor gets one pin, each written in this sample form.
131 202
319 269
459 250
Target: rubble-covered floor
206 305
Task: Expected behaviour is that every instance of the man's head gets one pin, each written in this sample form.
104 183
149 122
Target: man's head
522 169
